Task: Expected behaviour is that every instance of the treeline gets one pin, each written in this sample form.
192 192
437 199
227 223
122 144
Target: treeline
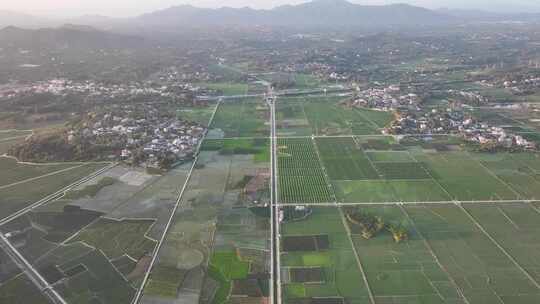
56 147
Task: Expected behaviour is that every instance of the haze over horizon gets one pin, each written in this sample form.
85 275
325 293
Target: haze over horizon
126 8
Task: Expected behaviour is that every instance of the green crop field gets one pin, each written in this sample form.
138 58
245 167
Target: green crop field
404 272
20 290
226 88
480 269
515 173
330 118
402 171
343 277
116 238
390 156
241 119
258 147
465 178
18 197
516 228
343 160
416 174
12 172
301 177
101 282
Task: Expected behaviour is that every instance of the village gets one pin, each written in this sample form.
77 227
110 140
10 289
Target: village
142 134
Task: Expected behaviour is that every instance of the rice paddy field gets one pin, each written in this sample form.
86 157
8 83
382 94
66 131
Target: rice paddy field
322 116
241 119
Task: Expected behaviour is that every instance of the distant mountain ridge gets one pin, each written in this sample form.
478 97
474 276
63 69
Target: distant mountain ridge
76 36
319 13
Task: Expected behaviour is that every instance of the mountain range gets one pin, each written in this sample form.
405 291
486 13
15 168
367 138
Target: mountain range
317 13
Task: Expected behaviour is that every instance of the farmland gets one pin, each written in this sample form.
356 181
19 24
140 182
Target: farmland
325 116
241 119
19 196
118 238
301 177
446 257
13 172
342 277
217 229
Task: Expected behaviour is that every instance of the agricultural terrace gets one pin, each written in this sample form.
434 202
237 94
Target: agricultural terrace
301 177
243 118
326 116
318 260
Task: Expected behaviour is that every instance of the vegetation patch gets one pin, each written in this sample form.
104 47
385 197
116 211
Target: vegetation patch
116 238
90 190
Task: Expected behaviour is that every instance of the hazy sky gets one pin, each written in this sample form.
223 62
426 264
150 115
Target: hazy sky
134 7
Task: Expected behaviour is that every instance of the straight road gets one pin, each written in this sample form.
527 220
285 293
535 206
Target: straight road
12 252
30 271
275 212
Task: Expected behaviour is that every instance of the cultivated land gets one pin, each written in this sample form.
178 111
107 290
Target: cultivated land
243 118
341 275
470 218
17 197
303 116
14 172
301 177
